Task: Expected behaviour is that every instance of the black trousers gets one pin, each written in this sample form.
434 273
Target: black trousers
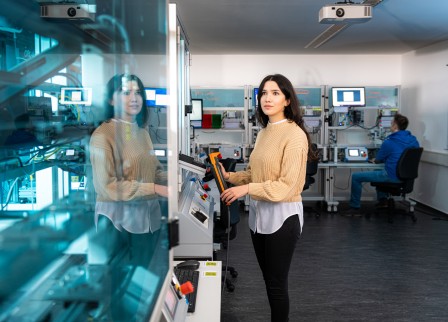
274 254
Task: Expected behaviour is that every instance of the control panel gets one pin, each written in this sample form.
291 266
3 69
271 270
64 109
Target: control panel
356 154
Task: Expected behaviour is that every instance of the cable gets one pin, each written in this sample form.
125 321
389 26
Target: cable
8 197
228 250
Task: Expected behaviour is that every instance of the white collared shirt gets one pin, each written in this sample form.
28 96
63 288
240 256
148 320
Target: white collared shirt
267 217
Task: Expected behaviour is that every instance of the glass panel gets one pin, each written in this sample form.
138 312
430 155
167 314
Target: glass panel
220 97
83 161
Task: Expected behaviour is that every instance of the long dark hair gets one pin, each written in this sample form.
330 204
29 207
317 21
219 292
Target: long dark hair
292 111
115 84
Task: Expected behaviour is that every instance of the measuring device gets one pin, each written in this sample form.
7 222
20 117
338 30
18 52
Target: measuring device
217 173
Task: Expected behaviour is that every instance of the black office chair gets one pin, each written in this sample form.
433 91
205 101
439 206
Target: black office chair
311 170
225 227
407 172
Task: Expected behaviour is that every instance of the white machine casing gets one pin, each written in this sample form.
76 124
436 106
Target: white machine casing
82 12
345 13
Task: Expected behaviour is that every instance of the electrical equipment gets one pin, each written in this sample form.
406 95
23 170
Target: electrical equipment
216 168
312 121
76 95
195 219
82 12
348 96
345 13
38 108
386 121
356 154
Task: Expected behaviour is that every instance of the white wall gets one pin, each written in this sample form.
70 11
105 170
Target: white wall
423 75
425 102
305 70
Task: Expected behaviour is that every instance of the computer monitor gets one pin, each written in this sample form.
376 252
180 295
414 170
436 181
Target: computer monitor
348 96
196 111
255 102
156 97
76 95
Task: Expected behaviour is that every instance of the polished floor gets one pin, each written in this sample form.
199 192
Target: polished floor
351 269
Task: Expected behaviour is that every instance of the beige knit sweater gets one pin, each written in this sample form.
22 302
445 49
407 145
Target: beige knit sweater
277 165
123 163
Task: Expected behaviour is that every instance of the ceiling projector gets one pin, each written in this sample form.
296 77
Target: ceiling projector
83 12
345 13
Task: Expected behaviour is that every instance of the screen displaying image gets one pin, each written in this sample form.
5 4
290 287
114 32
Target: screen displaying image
348 96
156 97
353 152
196 112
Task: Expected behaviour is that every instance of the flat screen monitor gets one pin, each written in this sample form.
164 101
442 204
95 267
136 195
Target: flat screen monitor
255 102
348 96
156 97
76 95
196 110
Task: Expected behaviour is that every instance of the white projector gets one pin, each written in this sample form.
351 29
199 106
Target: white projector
83 12
345 13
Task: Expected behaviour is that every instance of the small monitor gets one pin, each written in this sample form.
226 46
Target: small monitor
348 96
156 97
76 95
196 112
353 152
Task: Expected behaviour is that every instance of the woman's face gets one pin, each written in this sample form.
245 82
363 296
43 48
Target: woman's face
273 102
128 102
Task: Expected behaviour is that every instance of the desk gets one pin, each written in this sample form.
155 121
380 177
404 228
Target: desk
208 298
328 167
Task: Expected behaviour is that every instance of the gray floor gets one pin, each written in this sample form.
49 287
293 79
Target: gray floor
351 269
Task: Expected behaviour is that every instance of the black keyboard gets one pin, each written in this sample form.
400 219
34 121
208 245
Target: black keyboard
184 275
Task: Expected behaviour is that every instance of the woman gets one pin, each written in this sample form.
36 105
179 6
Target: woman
128 180
274 180
126 173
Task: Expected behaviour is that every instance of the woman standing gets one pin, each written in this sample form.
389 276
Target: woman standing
274 180
127 176
128 180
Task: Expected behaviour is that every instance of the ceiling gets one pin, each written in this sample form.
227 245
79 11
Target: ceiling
218 27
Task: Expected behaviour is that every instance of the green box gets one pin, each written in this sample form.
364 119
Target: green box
216 121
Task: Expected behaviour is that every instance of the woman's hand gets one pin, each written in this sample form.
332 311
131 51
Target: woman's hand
161 190
230 195
225 174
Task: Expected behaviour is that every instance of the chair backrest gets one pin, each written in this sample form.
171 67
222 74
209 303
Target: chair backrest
311 169
407 167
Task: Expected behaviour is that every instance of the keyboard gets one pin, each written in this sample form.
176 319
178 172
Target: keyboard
184 275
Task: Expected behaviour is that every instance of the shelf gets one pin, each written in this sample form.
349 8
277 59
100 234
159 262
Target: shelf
225 108
352 127
222 130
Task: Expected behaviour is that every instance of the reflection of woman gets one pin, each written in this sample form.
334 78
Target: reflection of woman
126 174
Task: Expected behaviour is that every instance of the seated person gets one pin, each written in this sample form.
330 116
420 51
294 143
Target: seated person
389 154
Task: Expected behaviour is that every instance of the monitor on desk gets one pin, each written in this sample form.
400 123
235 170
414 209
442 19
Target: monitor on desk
156 97
348 96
